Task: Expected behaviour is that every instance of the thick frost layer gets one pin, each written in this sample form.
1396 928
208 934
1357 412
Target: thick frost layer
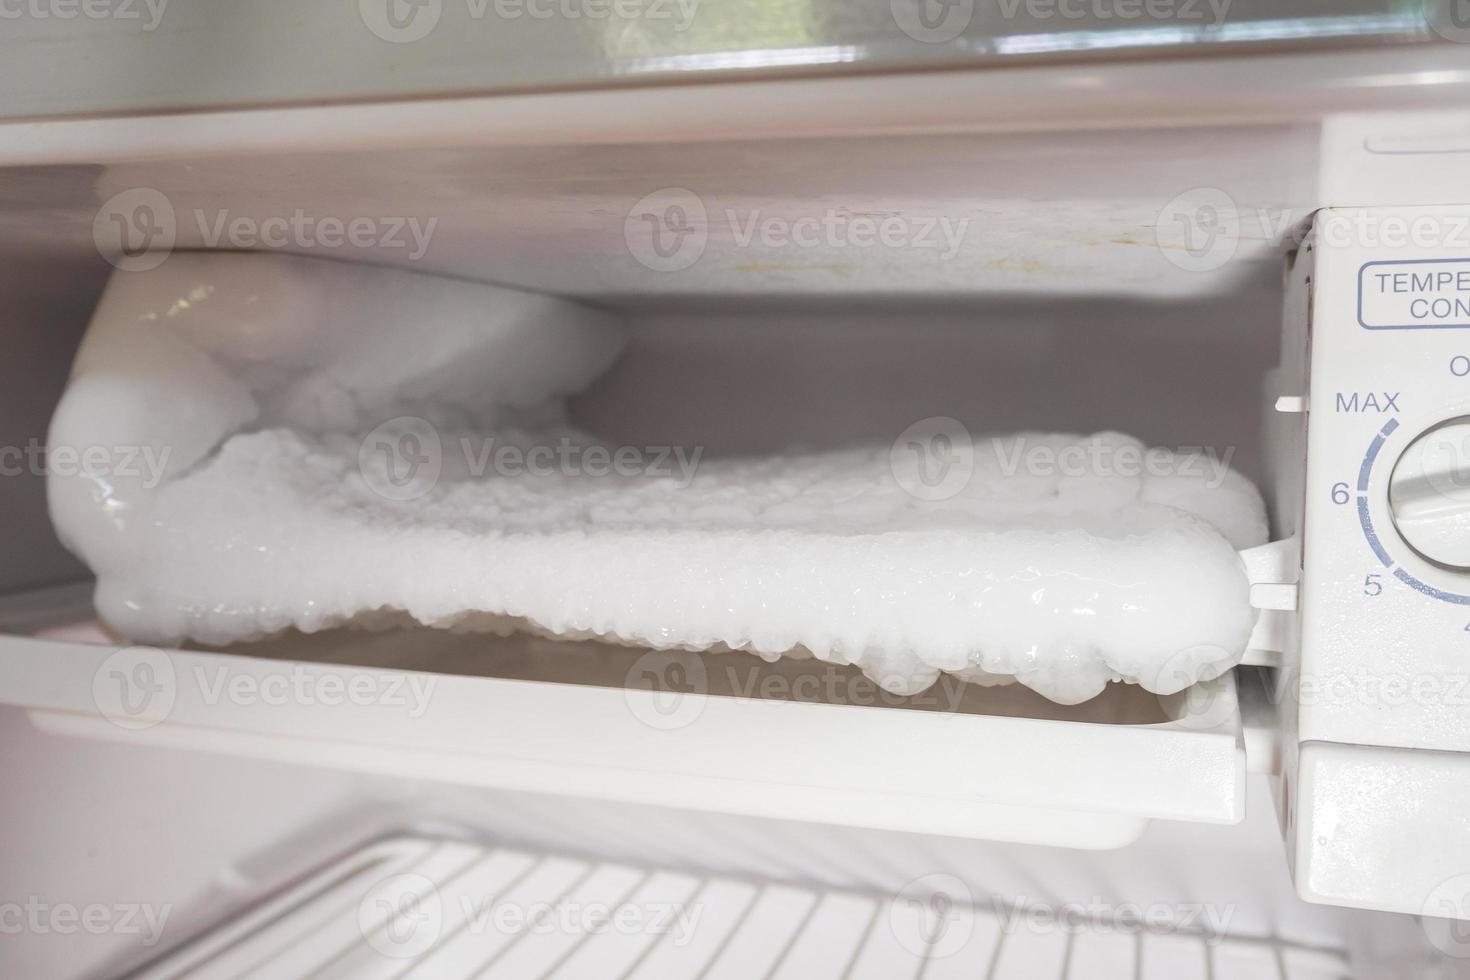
294 515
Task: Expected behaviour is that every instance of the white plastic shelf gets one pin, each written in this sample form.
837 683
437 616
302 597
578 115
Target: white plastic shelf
574 719
409 907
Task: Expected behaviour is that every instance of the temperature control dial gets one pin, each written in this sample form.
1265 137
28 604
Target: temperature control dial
1429 494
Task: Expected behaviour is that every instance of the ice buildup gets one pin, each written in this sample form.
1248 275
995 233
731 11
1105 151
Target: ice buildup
334 444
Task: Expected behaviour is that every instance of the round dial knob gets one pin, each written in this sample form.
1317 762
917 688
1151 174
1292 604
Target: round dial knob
1429 494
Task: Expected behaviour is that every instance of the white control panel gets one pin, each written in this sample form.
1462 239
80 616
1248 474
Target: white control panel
1385 656
1377 776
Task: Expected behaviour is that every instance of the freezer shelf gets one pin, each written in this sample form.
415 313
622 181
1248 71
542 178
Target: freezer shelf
1047 779
414 906
994 764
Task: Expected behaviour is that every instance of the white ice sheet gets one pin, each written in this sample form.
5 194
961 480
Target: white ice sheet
326 442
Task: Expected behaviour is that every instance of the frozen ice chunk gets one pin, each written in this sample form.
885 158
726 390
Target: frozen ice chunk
353 468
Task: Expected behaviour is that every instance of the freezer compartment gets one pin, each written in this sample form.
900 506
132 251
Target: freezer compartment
800 739
1036 322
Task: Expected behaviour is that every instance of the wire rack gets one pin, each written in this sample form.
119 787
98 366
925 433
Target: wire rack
417 907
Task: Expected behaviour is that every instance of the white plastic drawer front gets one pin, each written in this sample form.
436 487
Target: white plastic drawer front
975 775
